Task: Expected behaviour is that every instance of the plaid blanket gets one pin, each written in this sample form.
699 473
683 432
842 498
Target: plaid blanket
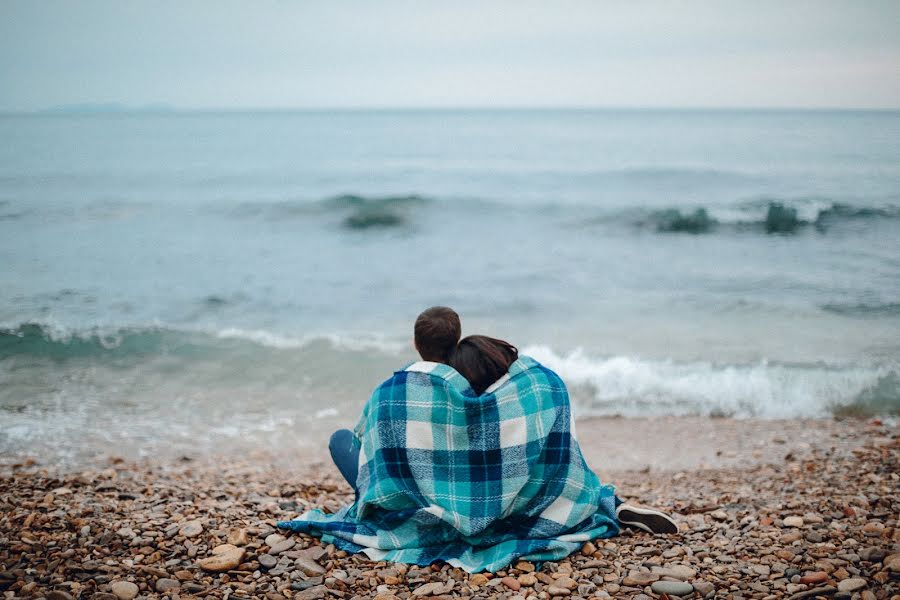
475 481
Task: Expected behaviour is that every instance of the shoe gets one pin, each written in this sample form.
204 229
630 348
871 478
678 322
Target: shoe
651 521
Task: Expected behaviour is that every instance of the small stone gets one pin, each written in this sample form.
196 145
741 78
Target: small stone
192 587
555 590
527 579
124 590
825 590
892 562
814 578
191 529
672 588
791 536
638 579
512 583
282 546
867 595
386 596
309 567
164 584
815 537
873 528
873 554
305 584
524 566
224 558
566 582
238 537
267 561
851 585
274 538
429 589
719 515
58 594
313 593
588 549
104 596
681 572
704 588
477 580
184 575
793 521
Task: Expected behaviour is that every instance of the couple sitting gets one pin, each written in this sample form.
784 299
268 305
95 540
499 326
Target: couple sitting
469 457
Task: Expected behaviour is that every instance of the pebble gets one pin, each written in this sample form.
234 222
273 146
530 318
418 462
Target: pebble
124 590
164 584
513 583
282 546
238 537
704 588
681 572
851 585
314 593
191 529
267 560
793 521
309 567
59 594
892 563
130 531
814 578
224 558
638 579
672 588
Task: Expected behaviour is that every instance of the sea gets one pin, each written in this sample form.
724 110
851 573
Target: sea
175 283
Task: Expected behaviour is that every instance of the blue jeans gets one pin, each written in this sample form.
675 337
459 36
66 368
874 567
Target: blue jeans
345 455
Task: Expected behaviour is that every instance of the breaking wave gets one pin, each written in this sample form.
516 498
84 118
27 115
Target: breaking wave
767 215
630 386
615 385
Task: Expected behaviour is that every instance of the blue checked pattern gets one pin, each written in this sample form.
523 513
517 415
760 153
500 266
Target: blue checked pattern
475 481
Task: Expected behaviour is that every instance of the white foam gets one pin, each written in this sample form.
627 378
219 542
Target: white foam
632 386
369 342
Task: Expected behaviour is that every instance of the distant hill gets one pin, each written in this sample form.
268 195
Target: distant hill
106 107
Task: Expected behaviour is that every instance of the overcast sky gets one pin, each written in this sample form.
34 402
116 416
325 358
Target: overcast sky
268 54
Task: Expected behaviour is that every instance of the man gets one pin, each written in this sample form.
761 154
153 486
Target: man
475 480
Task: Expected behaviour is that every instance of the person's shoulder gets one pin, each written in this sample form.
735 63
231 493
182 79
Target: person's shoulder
527 365
436 374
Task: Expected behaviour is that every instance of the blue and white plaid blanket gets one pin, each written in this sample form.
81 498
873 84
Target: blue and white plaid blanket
475 481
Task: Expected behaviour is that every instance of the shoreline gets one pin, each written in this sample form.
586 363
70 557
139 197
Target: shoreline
817 511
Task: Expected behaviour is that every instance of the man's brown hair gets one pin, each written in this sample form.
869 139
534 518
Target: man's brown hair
437 331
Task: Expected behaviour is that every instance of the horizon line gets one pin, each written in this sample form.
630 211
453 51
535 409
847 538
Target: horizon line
89 108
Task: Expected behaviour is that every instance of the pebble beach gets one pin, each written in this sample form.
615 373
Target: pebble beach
793 517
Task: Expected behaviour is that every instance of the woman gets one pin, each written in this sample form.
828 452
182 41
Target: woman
475 472
485 361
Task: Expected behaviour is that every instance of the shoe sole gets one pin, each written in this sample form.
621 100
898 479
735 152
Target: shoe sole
650 521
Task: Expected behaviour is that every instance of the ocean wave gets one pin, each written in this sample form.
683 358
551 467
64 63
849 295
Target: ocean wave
610 385
631 386
59 342
356 212
864 310
767 215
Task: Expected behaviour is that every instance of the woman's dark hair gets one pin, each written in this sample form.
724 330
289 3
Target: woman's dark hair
483 360
436 333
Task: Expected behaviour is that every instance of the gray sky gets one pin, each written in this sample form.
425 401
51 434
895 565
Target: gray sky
224 54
